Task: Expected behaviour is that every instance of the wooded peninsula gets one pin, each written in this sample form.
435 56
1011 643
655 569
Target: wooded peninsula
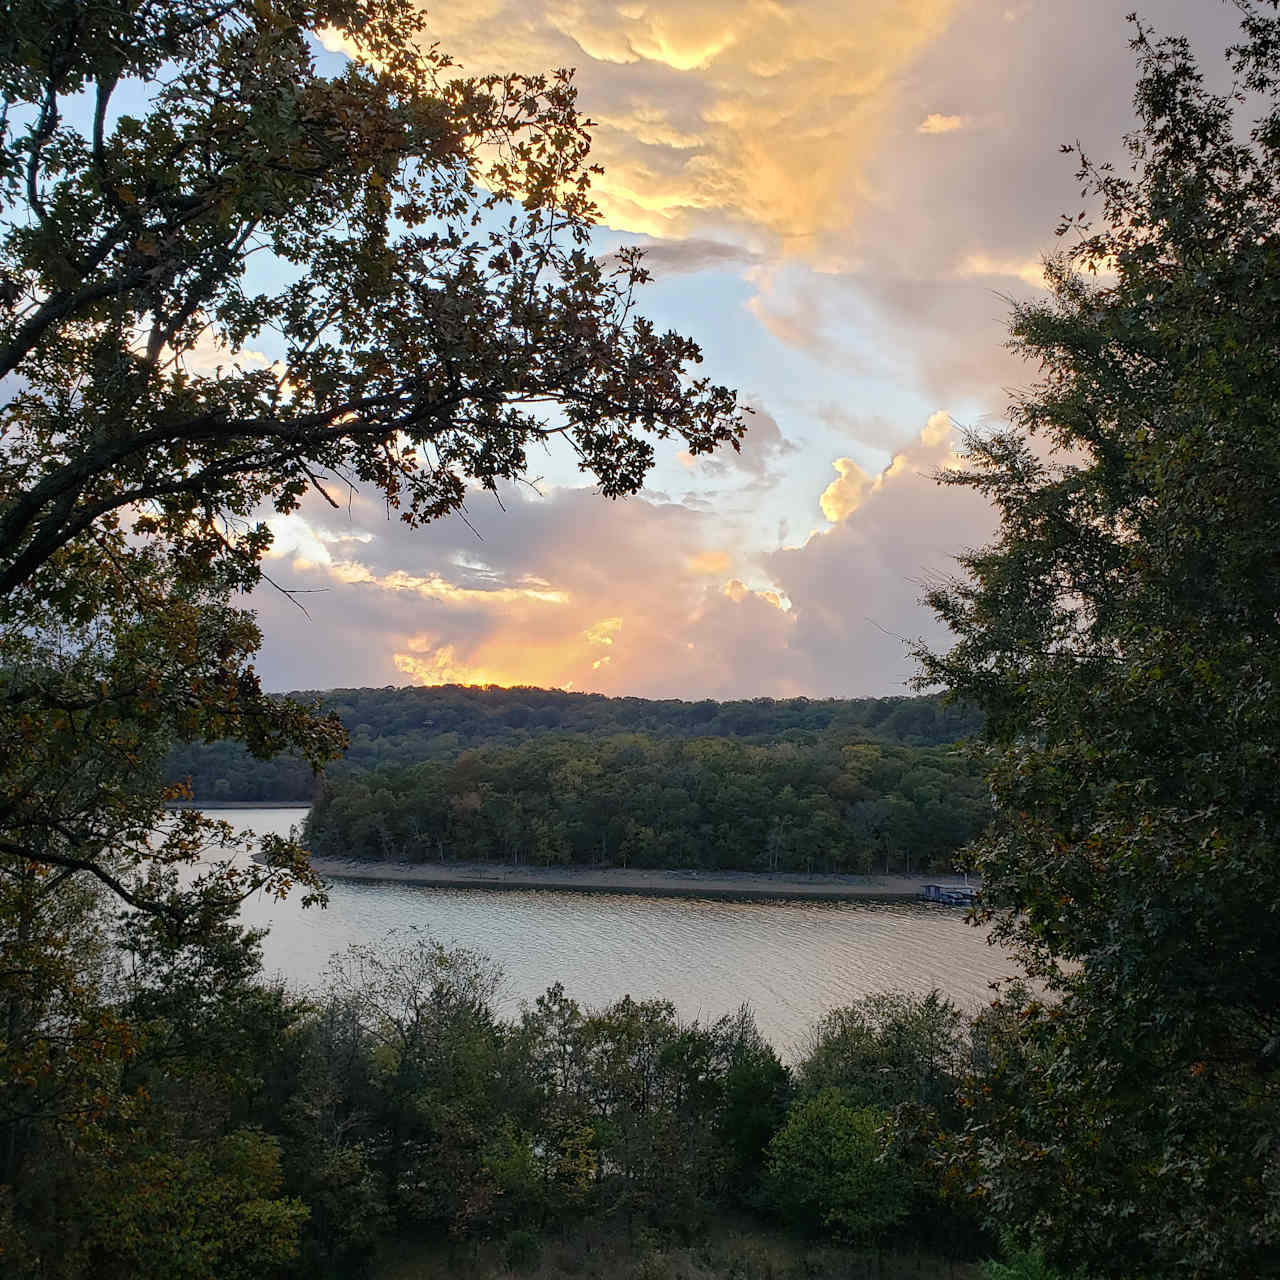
550 778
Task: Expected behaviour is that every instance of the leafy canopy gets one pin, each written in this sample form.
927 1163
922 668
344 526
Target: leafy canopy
184 186
1121 636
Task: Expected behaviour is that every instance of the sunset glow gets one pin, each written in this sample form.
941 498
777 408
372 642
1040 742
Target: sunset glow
841 212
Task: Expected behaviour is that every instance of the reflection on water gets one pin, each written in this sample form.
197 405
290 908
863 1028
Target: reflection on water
790 961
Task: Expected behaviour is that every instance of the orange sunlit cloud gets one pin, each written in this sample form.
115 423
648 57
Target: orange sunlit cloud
713 113
710 562
935 122
840 208
604 631
653 624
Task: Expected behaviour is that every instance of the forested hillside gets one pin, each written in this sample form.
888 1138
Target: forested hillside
394 728
633 800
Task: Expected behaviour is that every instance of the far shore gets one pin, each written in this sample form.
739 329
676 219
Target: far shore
238 804
654 883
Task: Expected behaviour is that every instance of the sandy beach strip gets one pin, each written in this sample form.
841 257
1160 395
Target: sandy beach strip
655 883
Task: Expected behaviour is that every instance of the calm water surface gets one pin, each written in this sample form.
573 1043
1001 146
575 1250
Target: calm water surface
790 961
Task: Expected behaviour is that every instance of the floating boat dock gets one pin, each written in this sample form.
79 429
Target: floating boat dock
949 895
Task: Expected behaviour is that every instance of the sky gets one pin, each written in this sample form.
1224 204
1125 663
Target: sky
839 200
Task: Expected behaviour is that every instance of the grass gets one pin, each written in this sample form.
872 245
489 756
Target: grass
728 1249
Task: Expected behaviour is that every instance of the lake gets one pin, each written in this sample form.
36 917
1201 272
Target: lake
790 961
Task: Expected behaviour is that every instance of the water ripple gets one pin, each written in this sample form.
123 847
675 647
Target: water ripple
790 961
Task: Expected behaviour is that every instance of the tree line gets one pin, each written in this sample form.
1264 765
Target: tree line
832 805
389 728
235 1128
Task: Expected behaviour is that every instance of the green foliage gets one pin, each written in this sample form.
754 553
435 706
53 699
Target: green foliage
628 1104
1120 636
399 727
423 239
757 1089
728 1248
911 1056
1021 1264
419 222
425 281
240 1130
523 1250
424 1017
329 1137
829 1170
888 1049
832 806
192 1213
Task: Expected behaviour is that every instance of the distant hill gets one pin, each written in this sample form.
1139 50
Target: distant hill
394 728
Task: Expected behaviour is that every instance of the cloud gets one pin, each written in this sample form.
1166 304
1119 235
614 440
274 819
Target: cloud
873 429
1027 270
569 579
813 139
603 632
747 114
936 433
624 598
438 588
428 665
935 123
782 143
665 258
852 486
710 562
845 495
209 357
736 489
854 589
795 308
738 591
760 454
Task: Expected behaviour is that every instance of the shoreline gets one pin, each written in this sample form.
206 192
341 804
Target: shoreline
658 883
214 805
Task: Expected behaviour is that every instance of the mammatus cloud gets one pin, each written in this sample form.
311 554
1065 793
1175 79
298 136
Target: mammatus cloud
742 115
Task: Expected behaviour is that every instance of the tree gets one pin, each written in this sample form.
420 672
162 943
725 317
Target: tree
182 186
828 1170
212 1210
1121 636
426 280
888 1049
426 1012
